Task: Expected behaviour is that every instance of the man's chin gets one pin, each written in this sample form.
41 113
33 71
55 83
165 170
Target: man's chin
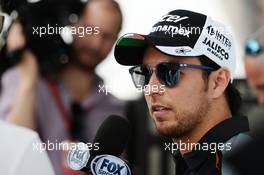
168 130
164 129
88 62
89 67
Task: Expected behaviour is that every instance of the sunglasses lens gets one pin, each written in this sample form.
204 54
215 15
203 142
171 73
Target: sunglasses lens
168 74
252 47
140 76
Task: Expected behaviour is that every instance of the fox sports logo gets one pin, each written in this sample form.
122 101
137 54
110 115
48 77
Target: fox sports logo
109 165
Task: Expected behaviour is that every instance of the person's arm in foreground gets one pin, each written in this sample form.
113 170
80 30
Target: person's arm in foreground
21 109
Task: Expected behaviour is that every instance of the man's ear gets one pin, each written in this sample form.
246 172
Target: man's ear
218 81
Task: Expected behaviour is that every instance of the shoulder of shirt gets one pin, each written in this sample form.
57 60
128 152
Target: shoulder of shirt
10 75
18 133
239 140
236 144
16 142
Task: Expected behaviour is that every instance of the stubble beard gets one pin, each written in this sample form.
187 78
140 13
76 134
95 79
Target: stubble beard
184 121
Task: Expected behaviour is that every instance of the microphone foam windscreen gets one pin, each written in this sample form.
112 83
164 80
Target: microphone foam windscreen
112 136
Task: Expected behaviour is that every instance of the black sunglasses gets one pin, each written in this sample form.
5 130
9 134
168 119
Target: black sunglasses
168 73
253 47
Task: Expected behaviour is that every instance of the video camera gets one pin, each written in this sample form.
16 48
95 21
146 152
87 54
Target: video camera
42 22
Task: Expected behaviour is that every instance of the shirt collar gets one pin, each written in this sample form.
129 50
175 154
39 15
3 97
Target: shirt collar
98 92
220 133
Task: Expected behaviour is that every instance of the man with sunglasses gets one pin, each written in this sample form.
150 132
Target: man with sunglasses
191 59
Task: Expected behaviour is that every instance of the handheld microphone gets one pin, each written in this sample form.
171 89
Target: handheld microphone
112 137
110 165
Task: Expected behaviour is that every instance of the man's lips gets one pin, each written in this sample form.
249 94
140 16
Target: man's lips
159 111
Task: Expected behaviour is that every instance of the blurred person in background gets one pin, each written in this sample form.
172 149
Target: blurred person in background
17 152
254 68
69 106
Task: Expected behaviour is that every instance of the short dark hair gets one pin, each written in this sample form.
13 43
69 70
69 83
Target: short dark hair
232 94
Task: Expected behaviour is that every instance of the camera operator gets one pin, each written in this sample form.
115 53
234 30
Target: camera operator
67 105
16 142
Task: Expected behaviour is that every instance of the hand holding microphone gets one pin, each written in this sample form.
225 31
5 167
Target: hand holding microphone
112 136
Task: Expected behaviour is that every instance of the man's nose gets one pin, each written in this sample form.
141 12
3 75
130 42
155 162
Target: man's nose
154 87
95 41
